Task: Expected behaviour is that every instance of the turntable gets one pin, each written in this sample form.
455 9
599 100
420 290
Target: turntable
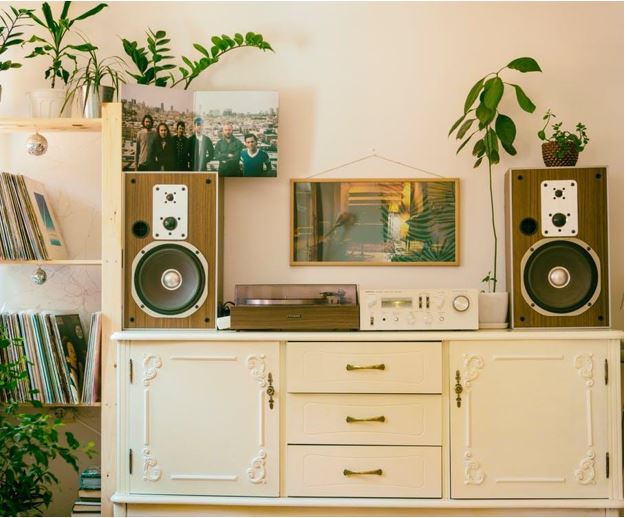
295 307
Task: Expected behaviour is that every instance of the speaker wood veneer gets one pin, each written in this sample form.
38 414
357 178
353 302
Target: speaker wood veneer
522 195
202 234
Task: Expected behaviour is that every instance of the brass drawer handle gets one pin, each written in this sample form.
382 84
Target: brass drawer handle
378 419
458 389
349 473
351 367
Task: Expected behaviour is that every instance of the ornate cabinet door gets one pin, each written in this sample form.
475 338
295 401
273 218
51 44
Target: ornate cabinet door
529 419
203 418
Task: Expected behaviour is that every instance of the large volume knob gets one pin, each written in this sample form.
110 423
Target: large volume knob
461 303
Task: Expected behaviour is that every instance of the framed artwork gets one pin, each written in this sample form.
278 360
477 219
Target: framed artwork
234 133
375 222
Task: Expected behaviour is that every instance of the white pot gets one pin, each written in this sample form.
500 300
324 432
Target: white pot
47 103
493 310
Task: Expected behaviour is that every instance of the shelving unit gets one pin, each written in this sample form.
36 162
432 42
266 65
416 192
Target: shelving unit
10 125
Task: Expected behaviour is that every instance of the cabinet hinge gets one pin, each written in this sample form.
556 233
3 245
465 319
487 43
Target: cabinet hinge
130 461
607 464
130 371
607 372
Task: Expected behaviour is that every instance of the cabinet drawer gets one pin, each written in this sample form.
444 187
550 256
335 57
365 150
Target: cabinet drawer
364 419
395 471
365 367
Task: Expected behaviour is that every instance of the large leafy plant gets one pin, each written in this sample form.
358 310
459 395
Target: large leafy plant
28 442
155 66
10 35
492 128
53 46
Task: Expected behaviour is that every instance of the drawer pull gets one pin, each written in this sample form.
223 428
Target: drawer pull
351 367
458 389
378 419
349 473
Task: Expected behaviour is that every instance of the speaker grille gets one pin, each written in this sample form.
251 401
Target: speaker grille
169 280
560 277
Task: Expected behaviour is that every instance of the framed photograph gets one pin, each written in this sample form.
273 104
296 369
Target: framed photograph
378 222
233 133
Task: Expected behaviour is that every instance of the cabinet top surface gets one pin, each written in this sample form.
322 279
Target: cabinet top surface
365 336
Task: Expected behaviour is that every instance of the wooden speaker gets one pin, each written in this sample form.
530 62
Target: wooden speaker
557 247
171 265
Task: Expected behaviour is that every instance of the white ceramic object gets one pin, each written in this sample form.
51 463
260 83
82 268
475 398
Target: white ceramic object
493 310
47 103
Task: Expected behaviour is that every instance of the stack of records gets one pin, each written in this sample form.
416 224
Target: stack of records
28 227
91 381
55 351
89 494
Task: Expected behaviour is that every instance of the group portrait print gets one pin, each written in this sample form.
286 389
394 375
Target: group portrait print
396 222
232 133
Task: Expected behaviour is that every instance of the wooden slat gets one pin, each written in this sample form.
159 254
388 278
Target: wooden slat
10 125
112 219
73 262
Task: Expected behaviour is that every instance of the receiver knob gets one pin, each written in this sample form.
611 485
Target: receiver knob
461 303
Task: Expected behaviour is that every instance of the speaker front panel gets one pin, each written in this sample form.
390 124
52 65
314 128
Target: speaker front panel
557 251
170 253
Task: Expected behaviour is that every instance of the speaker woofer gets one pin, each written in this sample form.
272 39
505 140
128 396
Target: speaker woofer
560 277
169 279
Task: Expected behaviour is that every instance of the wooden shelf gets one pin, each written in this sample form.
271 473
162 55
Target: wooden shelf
56 262
9 125
64 405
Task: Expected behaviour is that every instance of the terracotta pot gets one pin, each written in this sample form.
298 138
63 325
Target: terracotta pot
549 155
493 310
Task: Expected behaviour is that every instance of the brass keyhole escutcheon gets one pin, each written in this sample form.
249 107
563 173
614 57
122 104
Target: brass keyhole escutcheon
458 389
270 391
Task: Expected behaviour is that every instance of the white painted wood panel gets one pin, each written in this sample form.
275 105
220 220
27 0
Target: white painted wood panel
397 471
362 367
200 421
364 419
531 420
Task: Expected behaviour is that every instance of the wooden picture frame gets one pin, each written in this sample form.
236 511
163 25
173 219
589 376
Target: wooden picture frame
375 222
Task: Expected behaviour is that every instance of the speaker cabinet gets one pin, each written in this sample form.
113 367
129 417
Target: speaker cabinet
171 264
557 247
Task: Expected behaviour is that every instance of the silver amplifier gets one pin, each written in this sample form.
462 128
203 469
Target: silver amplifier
418 309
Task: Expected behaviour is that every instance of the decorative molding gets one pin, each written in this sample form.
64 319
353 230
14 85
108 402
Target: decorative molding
473 474
205 358
256 363
529 357
517 480
585 474
257 470
584 366
152 471
472 364
151 364
229 478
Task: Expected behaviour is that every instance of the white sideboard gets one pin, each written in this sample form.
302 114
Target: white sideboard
383 423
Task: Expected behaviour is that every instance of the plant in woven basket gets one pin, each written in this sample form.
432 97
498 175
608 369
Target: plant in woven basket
562 148
28 440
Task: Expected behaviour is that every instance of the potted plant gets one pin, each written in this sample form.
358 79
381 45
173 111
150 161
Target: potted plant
493 129
10 35
155 67
28 442
96 82
49 102
562 148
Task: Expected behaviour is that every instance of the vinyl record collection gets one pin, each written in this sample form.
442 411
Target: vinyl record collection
28 227
62 366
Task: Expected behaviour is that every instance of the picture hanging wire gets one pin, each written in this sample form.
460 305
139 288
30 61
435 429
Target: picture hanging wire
379 157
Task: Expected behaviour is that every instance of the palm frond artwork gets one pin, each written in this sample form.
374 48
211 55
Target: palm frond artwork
398 222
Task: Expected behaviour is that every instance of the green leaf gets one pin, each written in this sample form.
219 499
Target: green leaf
477 163
472 95
238 38
525 65
201 49
485 115
523 101
505 129
493 92
509 149
463 145
91 12
464 128
479 148
542 135
160 34
457 123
